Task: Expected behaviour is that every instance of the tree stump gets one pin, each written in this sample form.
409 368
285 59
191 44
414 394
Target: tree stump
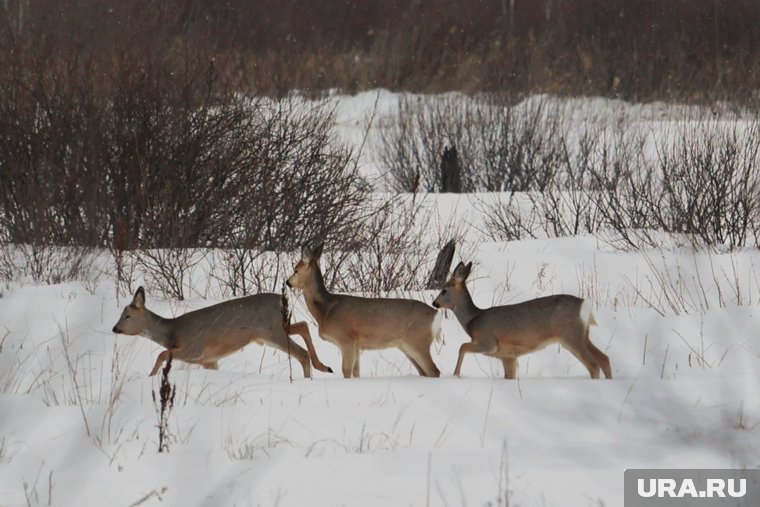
442 266
451 174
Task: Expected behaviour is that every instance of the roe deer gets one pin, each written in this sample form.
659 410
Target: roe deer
206 335
356 323
507 332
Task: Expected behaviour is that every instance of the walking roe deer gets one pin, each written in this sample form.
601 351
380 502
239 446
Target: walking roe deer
358 323
206 335
507 332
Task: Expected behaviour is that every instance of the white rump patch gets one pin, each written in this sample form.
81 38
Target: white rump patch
436 328
587 315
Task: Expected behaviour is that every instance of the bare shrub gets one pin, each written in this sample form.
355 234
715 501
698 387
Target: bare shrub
701 184
509 217
625 189
46 264
391 253
566 205
169 270
501 146
711 185
697 183
152 149
124 130
518 147
410 147
241 271
7 265
304 185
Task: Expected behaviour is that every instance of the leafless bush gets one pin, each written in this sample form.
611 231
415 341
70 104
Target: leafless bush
392 253
501 146
305 185
169 269
255 173
509 217
241 271
8 269
698 183
46 263
410 147
701 184
568 204
711 184
517 147
152 149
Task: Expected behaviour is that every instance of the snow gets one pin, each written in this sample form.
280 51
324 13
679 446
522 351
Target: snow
78 421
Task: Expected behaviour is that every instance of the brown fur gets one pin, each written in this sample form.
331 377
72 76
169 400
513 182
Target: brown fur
206 335
354 323
507 332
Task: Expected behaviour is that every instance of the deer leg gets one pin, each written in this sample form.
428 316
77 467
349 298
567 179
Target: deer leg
349 359
582 353
175 353
163 356
488 346
281 341
510 367
302 329
355 370
194 355
601 358
414 363
423 361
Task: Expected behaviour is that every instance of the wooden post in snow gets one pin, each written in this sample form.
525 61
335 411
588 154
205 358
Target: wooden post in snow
451 174
442 266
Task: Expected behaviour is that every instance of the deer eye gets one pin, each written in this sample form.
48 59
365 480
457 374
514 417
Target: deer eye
126 317
443 291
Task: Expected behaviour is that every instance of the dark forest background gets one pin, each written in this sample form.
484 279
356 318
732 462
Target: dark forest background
638 50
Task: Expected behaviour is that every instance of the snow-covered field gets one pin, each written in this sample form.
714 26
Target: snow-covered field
78 420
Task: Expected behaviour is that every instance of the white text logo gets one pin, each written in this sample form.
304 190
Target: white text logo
670 488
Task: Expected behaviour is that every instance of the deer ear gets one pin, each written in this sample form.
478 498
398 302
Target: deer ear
317 252
459 272
138 301
467 270
306 252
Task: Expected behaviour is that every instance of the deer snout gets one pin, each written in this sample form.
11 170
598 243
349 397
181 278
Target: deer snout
435 304
287 282
116 330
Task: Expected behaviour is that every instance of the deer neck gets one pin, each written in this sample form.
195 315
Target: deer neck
160 330
318 299
466 310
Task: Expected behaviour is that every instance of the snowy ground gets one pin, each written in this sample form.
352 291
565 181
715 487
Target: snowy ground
78 423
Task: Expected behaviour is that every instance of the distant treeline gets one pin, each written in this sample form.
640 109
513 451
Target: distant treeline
639 50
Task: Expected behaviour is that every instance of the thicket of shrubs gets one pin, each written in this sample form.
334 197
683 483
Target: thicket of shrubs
498 146
130 126
567 172
140 143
